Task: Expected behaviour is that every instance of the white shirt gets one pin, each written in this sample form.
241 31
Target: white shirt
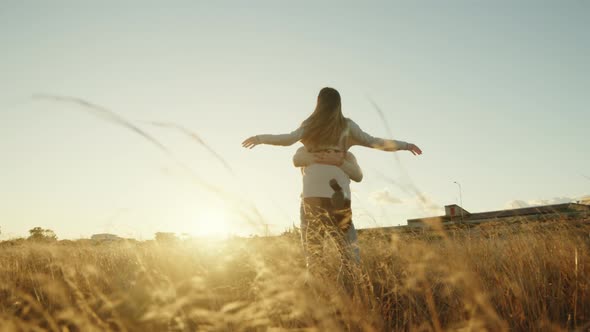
316 181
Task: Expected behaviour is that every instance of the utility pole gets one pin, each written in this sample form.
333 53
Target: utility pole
267 229
460 198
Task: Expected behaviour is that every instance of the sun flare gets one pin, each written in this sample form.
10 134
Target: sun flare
212 224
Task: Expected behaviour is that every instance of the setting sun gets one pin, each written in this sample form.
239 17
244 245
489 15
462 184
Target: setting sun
212 223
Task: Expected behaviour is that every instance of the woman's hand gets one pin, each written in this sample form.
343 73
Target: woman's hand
330 158
251 142
414 149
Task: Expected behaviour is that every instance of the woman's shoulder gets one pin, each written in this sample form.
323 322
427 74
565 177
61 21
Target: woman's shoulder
351 126
350 122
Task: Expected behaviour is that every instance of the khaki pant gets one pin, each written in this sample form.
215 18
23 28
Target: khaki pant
321 225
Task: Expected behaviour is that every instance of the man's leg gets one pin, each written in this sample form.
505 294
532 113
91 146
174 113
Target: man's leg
344 235
347 262
303 231
344 219
312 236
352 240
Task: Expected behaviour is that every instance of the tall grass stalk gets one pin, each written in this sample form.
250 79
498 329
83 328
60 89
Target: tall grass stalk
524 276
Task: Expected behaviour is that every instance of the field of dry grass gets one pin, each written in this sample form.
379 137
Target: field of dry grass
521 277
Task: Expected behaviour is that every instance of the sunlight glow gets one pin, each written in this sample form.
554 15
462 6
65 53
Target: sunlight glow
213 224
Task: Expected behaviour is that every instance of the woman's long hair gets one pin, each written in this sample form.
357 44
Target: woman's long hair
325 125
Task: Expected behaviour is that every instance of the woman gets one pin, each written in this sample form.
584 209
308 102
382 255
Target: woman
327 131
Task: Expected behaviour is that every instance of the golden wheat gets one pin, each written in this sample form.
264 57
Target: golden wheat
529 276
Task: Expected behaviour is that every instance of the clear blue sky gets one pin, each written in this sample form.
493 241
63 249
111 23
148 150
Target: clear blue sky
495 93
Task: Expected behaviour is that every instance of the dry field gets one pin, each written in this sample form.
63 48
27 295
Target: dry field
520 277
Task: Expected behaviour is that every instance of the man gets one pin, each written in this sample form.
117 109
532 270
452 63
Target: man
318 169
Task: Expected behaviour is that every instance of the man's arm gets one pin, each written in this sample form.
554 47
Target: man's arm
303 158
348 164
351 167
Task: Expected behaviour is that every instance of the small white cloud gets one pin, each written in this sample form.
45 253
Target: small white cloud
516 204
420 202
384 197
554 200
425 203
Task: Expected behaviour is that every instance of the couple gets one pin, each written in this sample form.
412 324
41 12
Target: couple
327 168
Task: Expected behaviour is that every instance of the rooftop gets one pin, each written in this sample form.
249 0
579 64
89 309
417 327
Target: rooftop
453 213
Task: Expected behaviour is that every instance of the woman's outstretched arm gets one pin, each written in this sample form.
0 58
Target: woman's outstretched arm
282 139
359 137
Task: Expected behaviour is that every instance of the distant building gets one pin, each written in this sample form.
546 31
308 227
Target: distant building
454 214
105 237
